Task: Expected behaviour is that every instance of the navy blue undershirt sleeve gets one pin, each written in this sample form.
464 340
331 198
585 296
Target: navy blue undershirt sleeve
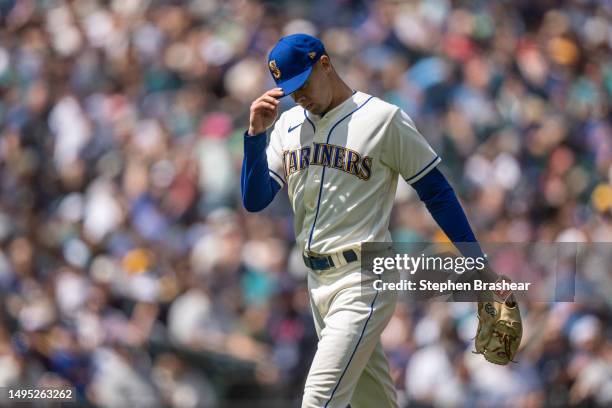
440 199
258 187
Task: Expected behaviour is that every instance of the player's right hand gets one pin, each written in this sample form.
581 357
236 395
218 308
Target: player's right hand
264 111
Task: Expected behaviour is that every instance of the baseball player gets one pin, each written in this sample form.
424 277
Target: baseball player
340 153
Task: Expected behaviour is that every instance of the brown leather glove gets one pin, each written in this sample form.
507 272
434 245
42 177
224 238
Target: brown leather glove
500 329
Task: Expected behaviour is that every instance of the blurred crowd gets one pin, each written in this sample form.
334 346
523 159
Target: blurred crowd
129 269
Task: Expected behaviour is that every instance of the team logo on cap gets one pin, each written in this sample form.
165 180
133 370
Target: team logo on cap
312 54
275 71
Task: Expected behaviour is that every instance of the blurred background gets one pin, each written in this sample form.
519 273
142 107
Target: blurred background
129 269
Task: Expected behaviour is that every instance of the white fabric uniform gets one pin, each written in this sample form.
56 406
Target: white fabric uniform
341 171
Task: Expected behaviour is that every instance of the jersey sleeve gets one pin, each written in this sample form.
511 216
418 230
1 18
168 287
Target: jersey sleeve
274 153
405 150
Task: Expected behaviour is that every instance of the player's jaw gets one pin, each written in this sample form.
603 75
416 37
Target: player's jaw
306 104
309 104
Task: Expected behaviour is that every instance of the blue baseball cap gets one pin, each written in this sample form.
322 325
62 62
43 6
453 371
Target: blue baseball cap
291 60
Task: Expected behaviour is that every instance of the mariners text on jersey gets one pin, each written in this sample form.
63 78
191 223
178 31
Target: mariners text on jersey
328 155
340 166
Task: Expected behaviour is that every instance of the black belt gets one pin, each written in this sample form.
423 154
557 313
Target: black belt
323 262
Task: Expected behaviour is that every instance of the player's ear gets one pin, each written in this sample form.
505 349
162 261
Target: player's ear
325 64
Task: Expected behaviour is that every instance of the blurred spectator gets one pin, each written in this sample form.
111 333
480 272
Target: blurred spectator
129 270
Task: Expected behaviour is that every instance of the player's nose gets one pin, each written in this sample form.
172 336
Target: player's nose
297 97
301 100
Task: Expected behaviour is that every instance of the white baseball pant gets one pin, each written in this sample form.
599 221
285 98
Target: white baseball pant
349 365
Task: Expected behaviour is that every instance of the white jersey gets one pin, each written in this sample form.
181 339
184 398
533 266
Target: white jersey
342 169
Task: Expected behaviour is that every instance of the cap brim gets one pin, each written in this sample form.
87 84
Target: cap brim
293 84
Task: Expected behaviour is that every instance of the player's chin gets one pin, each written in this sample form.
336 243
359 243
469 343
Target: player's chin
312 108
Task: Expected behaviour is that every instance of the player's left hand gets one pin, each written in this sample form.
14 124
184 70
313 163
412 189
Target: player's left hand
500 328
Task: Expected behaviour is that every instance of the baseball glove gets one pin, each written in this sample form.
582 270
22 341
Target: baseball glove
500 329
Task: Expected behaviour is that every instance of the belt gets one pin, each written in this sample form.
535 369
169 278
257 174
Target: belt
322 262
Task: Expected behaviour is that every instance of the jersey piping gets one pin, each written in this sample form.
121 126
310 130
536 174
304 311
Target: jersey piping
314 222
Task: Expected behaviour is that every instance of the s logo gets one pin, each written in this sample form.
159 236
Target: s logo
312 54
275 71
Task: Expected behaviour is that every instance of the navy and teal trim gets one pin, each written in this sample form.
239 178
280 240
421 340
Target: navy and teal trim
425 169
365 325
323 174
314 129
